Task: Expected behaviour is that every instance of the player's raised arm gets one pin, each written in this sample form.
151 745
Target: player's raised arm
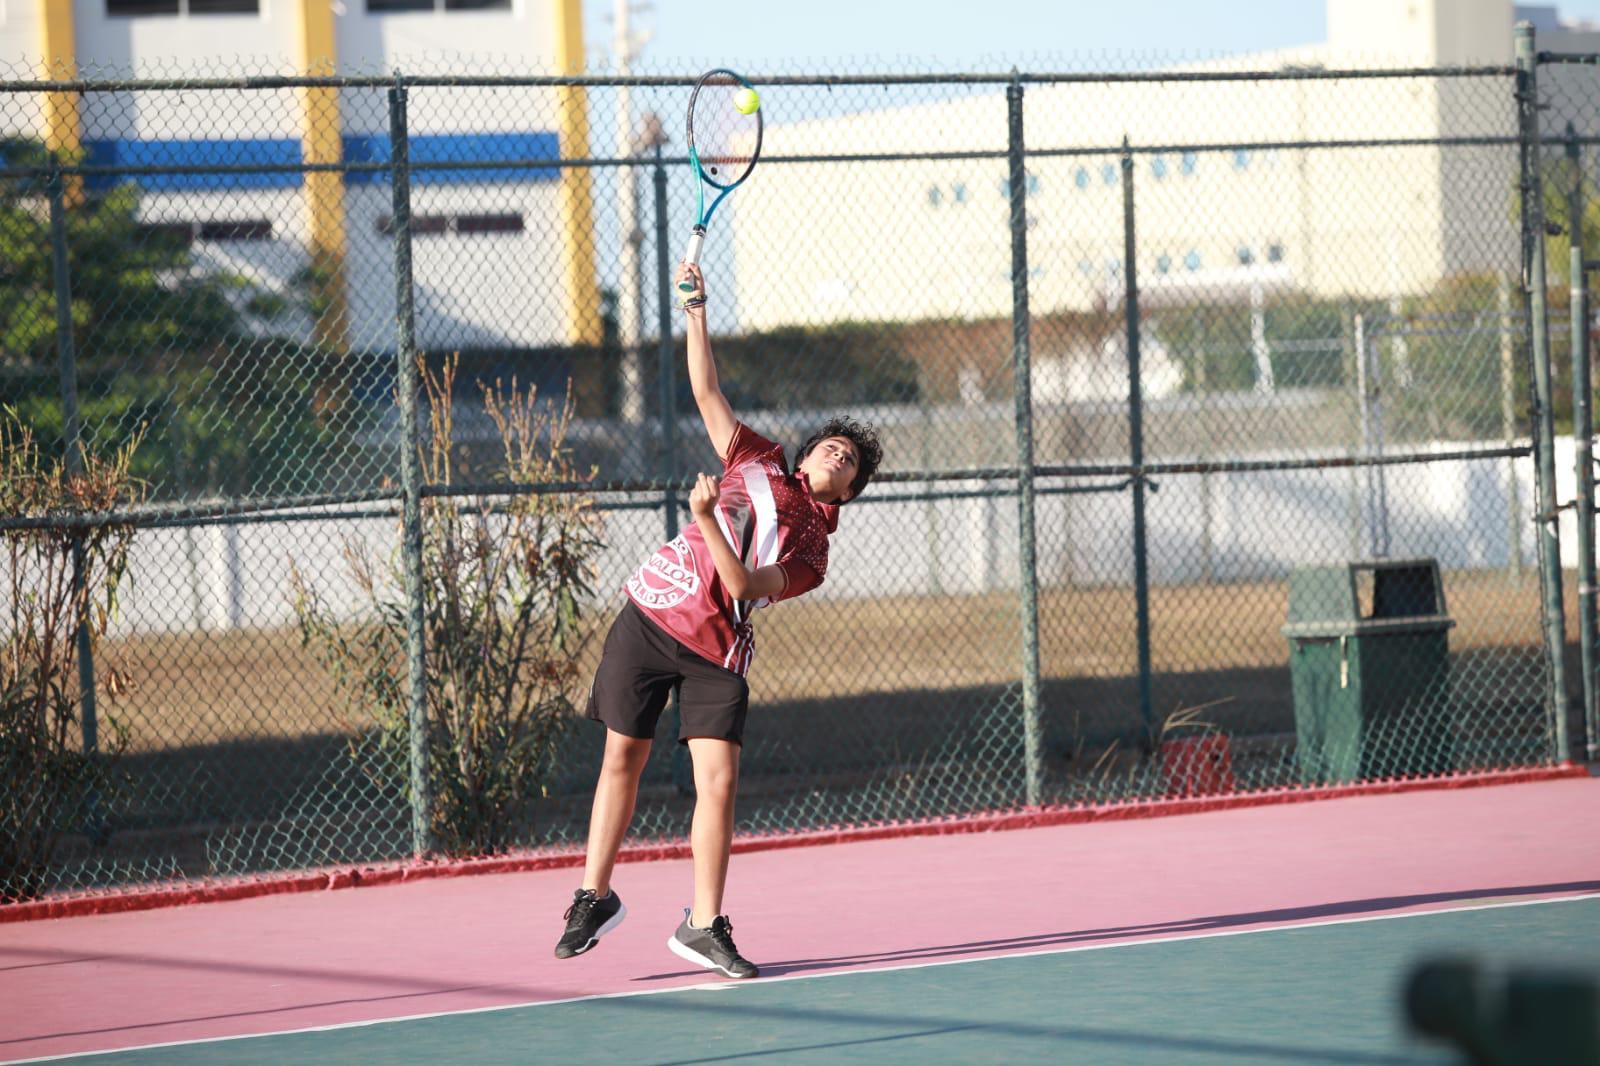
718 417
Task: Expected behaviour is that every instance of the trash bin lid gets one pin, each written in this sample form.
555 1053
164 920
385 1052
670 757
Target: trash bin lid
1429 623
1333 598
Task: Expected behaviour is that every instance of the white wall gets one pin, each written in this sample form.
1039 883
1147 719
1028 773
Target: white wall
416 41
489 290
1221 528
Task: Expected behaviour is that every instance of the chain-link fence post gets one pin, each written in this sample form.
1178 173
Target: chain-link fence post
1370 386
682 771
1582 434
410 473
1508 421
72 445
1533 279
668 375
1033 730
1141 558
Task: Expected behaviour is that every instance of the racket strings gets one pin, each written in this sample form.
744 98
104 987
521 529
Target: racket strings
725 140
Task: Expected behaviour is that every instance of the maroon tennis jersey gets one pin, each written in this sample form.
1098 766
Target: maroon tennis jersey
769 517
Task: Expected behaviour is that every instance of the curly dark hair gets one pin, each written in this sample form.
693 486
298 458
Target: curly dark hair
862 435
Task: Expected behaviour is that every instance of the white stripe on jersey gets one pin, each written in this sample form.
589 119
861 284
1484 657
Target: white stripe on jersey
738 657
766 516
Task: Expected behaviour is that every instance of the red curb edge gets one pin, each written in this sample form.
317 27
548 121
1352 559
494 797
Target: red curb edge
403 872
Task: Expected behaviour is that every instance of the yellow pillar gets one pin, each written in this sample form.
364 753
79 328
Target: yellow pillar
575 203
63 131
324 190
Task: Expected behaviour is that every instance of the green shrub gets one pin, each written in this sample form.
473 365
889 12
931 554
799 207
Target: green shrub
503 583
57 581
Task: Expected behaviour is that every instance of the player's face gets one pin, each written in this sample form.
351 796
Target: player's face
830 467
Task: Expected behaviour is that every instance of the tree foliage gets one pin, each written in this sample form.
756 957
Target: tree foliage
195 358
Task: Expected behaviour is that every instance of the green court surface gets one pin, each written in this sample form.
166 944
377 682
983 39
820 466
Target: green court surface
1327 993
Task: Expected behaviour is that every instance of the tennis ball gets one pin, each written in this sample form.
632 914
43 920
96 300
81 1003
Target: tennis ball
745 101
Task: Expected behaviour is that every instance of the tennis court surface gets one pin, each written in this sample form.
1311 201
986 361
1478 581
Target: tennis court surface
1273 934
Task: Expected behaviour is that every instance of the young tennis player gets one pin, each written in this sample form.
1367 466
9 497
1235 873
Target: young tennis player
759 535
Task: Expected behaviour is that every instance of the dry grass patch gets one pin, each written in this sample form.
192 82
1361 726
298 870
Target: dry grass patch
203 688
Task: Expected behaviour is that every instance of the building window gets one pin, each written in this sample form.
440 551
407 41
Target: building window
384 7
472 225
1241 159
136 8
1274 253
1030 186
1158 167
935 196
1188 163
1108 173
958 192
1080 178
186 233
1192 260
1086 268
505 223
242 229
180 234
140 8
1163 264
1246 256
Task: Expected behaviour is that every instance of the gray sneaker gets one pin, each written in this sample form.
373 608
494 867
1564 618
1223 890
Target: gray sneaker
711 948
589 919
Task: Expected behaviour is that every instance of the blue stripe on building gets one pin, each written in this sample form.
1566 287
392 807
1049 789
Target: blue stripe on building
458 148
195 153
285 151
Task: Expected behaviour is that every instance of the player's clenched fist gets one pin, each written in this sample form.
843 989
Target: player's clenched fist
691 286
704 495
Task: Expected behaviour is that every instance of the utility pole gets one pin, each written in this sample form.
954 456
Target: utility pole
630 285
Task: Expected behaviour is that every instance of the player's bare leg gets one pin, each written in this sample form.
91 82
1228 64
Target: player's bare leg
614 797
706 937
716 777
595 909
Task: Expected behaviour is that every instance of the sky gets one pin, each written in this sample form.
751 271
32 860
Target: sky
971 35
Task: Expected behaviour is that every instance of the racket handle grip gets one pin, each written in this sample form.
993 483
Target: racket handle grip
692 256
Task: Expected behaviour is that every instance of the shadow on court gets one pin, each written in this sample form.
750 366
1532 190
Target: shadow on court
392 987
1056 1042
403 988
1212 923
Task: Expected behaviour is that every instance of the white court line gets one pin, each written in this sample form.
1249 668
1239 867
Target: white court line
729 984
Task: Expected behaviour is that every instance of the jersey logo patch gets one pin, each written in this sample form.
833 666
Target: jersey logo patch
667 578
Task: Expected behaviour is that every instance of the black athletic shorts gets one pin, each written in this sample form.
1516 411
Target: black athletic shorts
641 665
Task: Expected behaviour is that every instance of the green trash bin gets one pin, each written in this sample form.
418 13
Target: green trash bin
1369 662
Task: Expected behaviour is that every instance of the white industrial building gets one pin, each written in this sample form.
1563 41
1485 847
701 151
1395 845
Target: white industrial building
865 242
918 239
487 243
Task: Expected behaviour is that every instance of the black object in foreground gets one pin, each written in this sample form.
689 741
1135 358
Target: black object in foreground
1543 1017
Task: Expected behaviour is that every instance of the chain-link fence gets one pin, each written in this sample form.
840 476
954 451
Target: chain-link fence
1220 454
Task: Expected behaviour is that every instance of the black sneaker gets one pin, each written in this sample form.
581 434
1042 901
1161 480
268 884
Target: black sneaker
712 948
589 919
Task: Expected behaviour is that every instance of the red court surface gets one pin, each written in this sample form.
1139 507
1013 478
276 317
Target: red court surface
292 962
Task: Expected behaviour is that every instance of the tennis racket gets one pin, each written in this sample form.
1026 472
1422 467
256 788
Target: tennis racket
724 145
